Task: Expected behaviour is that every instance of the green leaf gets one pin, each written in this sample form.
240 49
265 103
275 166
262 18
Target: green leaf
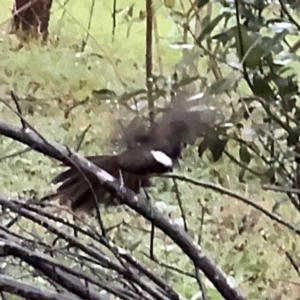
223 37
221 86
169 3
248 47
211 26
217 148
178 17
262 89
244 154
185 81
206 21
286 86
104 94
274 44
201 3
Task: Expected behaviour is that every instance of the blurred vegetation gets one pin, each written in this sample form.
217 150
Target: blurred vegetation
64 90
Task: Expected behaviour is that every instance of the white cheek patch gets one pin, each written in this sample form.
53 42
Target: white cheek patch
162 158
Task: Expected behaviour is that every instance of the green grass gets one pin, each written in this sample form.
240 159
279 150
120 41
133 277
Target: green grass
55 76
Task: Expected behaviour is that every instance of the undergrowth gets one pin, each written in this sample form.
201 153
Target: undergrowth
50 79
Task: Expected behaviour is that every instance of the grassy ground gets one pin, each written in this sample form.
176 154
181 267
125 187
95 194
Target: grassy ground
56 77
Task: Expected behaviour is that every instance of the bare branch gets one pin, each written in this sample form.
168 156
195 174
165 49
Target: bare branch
126 196
12 286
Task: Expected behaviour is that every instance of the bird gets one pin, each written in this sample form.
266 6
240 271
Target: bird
149 152
78 192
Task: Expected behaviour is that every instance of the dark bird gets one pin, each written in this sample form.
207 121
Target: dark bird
149 152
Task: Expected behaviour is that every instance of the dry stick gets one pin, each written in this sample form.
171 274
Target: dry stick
170 267
197 273
78 143
12 286
54 273
3 296
80 138
137 203
280 189
17 153
17 103
149 78
92 233
243 166
25 239
49 216
203 211
293 263
152 232
84 42
201 285
224 191
156 37
88 249
65 159
149 84
159 281
9 246
291 19
114 16
180 205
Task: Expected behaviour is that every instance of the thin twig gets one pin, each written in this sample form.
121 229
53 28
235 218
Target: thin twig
17 153
224 191
180 205
17 103
84 42
126 196
66 160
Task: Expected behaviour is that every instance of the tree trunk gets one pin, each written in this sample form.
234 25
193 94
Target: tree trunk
31 19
